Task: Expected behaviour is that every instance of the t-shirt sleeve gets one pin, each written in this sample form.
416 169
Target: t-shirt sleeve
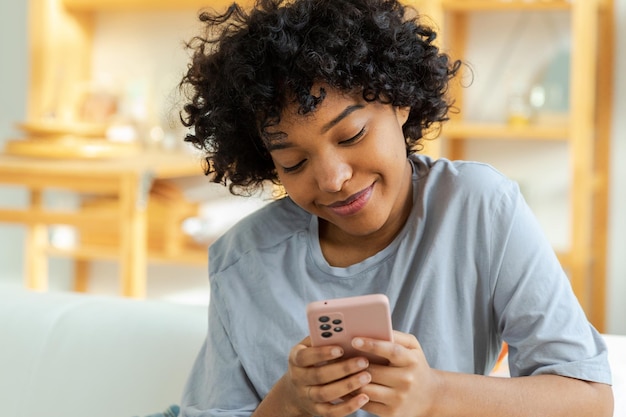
535 309
218 385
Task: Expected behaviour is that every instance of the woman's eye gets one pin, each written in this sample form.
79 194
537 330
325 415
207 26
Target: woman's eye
353 138
294 168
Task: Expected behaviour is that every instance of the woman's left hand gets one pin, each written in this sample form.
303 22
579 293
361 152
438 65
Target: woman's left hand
407 386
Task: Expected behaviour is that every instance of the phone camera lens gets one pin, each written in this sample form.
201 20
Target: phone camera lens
337 321
325 326
327 334
338 329
324 319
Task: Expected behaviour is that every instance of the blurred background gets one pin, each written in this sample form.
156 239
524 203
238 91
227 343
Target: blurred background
522 67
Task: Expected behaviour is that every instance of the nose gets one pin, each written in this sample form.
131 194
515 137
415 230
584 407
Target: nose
332 173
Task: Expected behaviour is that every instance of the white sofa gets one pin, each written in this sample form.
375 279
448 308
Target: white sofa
72 355
617 357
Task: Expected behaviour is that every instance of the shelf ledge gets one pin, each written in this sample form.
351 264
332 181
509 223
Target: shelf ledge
465 130
493 5
139 5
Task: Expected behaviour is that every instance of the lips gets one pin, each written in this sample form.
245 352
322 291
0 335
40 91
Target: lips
353 204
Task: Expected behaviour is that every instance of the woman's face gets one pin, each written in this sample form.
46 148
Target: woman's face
346 163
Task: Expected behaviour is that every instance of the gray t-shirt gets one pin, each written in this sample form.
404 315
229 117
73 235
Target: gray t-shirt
470 269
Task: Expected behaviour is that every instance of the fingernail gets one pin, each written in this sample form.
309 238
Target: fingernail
357 343
365 378
336 352
363 400
362 363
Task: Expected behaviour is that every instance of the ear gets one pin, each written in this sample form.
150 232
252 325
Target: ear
402 114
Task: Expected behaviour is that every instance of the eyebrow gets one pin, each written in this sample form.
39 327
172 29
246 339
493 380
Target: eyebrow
345 113
274 145
276 141
281 143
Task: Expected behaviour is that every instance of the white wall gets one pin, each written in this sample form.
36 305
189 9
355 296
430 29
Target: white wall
13 78
13 84
546 196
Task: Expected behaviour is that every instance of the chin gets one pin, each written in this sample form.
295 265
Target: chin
359 228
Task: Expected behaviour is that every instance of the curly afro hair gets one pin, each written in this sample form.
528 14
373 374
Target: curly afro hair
249 65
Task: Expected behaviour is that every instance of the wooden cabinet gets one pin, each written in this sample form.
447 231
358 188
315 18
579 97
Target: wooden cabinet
585 130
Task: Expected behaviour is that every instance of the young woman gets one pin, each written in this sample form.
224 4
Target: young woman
330 100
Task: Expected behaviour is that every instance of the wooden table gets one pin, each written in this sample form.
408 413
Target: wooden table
129 179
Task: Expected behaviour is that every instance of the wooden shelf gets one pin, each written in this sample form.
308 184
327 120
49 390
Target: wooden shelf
70 147
469 130
135 5
34 217
494 5
583 129
55 128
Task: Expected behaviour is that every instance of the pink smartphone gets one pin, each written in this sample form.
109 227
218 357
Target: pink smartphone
337 321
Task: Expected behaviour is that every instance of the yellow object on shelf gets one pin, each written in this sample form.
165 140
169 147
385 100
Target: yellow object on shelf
55 128
67 147
53 139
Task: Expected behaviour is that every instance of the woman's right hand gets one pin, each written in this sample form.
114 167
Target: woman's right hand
320 383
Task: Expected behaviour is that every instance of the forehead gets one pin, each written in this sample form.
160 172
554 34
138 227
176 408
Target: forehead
335 106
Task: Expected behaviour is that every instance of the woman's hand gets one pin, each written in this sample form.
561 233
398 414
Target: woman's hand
320 383
405 387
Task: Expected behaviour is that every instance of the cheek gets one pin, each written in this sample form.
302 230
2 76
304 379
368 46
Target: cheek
297 189
392 147
399 146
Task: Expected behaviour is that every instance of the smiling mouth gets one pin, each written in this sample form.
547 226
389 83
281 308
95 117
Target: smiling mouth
352 204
